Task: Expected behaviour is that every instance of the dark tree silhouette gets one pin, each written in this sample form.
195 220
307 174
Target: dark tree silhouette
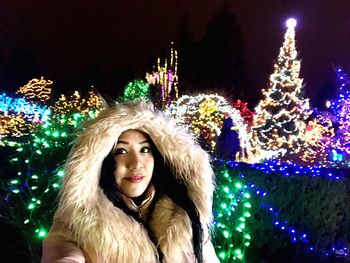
185 46
220 55
20 68
327 91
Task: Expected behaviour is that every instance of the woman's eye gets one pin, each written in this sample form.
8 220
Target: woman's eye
146 149
119 151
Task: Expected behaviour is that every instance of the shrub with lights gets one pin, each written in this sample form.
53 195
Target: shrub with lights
340 107
31 181
18 117
136 89
263 209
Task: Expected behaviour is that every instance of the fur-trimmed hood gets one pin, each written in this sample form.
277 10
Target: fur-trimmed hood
104 230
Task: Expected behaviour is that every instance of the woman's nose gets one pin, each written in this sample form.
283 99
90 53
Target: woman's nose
135 161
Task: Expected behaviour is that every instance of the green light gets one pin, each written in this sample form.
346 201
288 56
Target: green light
34 187
246 195
247 214
226 189
55 134
26 221
55 185
60 173
222 255
31 206
38 152
238 185
41 233
34 176
15 181
226 234
20 149
237 252
248 205
16 191
247 236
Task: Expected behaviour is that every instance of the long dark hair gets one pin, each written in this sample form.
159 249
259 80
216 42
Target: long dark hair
165 184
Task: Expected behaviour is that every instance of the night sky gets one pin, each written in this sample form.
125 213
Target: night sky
64 38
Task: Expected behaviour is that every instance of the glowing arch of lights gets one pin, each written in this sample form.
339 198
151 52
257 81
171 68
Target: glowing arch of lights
210 109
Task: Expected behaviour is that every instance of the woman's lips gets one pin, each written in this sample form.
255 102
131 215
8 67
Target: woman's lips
135 179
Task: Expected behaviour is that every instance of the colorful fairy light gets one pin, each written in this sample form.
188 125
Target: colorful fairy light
319 135
241 175
166 77
36 89
19 117
32 191
340 107
137 89
77 104
231 215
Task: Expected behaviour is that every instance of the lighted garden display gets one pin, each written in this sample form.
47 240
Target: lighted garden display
286 187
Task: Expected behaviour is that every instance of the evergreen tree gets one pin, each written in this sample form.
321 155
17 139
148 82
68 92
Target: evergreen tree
281 114
220 54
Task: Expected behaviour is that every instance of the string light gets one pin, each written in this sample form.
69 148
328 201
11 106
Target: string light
19 117
240 174
136 89
36 89
166 76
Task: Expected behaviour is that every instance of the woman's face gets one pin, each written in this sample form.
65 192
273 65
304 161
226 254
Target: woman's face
134 163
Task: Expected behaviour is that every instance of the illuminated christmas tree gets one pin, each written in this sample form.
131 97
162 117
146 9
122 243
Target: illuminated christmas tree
279 123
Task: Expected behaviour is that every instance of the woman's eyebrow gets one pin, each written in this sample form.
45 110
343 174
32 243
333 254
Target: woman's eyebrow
125 142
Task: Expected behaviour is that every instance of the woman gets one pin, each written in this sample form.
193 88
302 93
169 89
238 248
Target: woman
137 188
